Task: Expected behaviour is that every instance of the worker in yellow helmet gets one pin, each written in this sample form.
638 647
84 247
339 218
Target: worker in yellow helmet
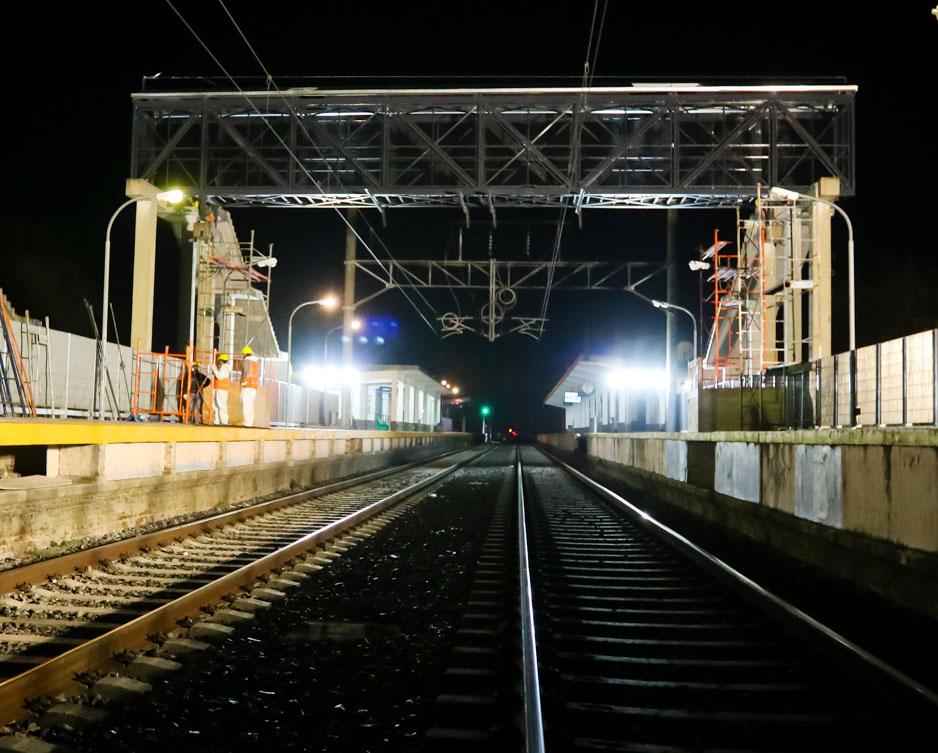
250 377
221 384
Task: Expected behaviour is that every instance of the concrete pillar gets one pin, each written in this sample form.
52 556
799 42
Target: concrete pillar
392 410
821 299
141 317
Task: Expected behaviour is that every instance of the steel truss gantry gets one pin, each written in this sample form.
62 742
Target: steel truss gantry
502 281
604 147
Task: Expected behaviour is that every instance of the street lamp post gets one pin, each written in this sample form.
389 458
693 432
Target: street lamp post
784 194
329 302
667 306
173 196
664 305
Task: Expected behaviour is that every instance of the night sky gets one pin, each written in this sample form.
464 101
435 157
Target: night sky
68 119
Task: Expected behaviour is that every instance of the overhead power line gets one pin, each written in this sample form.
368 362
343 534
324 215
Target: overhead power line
292 154
315 144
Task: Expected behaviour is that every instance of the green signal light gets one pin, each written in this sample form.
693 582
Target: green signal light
485 410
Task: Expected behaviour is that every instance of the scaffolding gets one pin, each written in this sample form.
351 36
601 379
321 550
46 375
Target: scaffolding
163 385
13 370
232 293
757 288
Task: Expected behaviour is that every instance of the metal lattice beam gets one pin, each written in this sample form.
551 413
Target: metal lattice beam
505 282
639 146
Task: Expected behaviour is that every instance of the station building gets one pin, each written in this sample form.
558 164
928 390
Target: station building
602 395
383 397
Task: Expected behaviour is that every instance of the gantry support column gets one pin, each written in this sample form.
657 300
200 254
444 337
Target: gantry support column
822 297
141 316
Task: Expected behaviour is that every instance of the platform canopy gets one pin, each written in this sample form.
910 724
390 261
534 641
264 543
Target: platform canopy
603 147
580 380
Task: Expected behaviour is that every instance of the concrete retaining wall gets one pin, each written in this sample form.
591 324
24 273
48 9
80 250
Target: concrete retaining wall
123 485
861 509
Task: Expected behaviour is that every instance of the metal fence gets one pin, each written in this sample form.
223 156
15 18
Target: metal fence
62 371
894 383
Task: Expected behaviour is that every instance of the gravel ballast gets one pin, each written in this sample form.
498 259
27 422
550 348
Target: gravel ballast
351 661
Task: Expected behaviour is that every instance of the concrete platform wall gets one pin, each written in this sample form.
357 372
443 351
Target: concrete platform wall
123 485
860 504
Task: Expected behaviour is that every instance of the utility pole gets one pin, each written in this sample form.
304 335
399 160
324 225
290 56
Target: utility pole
670 330
348 312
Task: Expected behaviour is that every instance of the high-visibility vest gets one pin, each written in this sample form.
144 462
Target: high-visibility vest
250 372
221 377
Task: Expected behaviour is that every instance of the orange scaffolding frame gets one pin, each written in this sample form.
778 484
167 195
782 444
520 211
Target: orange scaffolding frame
159 378
725 271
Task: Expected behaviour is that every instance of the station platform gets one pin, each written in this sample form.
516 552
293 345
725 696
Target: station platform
32 431
63 480
861 504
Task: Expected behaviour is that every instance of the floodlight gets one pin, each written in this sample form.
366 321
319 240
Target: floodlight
173 196
783 194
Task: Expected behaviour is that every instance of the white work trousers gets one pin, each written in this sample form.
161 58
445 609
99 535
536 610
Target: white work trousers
247 404
220 405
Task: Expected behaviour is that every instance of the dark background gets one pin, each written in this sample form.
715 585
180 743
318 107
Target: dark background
69 72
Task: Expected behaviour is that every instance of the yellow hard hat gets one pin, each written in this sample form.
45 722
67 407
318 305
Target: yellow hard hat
222 356
246 350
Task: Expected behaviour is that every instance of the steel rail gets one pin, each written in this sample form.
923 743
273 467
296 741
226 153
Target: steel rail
533 721
39 572
57 675
847 654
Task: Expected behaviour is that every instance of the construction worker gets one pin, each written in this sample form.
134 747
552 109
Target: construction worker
221 384
250 375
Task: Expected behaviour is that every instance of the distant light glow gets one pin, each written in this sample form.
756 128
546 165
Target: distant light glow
637 379
363 340
323 378
379 340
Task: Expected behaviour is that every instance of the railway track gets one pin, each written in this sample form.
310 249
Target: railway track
589 626
631 638
66 618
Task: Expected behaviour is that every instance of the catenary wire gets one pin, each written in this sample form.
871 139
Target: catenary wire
271 82
295 158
